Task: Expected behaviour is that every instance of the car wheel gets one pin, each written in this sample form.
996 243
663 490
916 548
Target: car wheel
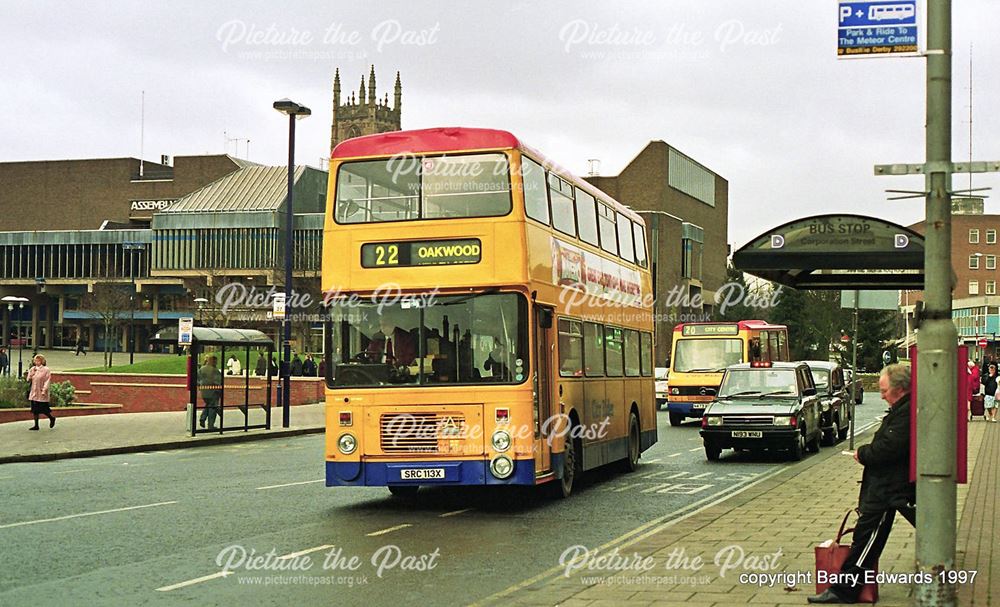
797 452
712 453
676 419
404 491
632 446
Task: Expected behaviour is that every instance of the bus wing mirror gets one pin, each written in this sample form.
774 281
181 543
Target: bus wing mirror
545 318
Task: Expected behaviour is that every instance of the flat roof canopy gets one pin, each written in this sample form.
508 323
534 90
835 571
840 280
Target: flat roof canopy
836 252
216 336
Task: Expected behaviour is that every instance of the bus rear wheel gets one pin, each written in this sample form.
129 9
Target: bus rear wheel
404 491
676 419
632 445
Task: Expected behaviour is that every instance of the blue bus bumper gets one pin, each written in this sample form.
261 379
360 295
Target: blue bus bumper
687 409
460 472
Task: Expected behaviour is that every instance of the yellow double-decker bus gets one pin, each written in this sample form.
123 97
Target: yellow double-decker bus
489 317
701 351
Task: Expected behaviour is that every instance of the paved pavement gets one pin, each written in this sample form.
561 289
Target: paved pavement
91 435
792 513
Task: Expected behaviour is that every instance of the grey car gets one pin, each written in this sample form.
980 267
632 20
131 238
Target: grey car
835 415
764 406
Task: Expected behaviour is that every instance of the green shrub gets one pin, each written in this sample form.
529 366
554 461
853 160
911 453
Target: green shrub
13 392
62 394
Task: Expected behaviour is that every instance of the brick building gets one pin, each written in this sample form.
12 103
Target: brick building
975 300
686 208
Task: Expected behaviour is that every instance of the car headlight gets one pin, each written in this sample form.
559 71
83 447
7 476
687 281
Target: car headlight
785 420
347 444
502 466
713 420
675 391
501 441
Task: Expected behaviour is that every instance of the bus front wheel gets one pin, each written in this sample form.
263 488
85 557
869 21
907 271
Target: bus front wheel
563 487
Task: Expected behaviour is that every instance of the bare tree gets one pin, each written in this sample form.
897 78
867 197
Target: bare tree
111 303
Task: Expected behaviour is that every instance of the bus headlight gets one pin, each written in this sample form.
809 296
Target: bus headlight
502 466
675 391
347 444
501 441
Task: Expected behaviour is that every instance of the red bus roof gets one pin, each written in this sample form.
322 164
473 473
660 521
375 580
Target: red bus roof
452 138
742 324
442 139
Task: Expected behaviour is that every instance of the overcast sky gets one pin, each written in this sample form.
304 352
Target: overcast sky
752 90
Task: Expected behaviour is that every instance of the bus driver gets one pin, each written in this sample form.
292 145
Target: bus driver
392 345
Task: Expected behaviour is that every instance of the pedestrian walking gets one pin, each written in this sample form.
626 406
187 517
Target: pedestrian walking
4 362
210 381
309 366
296 366
39 379
80 346
990 393
885 487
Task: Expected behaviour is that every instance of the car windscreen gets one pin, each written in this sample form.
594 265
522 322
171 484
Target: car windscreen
822 378
758 382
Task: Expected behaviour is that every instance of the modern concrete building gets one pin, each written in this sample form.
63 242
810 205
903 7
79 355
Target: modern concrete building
686 208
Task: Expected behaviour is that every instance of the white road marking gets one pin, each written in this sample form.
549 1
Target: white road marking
455 513
73 471
702 475
196 580
673 455
69 516
656 474
389 530
319 480
652 461
627 487
695 449
657 488
306 551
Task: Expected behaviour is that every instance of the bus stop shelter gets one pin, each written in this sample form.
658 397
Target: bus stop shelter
251 396
836 252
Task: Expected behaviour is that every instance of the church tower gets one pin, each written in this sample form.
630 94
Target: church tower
366 114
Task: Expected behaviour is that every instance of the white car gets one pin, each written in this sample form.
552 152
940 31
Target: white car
660 375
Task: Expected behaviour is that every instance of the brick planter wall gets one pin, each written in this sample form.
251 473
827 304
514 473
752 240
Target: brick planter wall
24 414
146 393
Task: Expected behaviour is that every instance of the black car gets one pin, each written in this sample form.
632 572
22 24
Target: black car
764 406
835 415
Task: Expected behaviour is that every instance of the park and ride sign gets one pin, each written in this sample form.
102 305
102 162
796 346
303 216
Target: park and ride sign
883 28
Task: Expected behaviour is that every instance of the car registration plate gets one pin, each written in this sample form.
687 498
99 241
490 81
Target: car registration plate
421 474
747 434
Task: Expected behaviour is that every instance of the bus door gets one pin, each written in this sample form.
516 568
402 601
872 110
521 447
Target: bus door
542 388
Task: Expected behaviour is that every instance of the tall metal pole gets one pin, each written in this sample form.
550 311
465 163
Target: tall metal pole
937 337
131 302
854 364
289 243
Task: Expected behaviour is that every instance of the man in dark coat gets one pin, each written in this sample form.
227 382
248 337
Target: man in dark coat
885 486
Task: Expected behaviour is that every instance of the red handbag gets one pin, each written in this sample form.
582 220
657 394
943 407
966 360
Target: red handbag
830 556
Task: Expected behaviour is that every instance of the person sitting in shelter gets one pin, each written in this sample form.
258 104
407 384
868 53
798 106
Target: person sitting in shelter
392 345
233 366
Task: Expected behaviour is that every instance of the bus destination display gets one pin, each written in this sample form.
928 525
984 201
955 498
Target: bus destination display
711 330
420 253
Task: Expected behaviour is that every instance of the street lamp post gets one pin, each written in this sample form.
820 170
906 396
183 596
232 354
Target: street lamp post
201 301
294 111
131 247
20 301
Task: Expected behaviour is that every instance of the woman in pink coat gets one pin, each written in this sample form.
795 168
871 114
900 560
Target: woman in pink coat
40 377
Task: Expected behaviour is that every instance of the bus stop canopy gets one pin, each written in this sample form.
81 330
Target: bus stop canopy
213 336
836 252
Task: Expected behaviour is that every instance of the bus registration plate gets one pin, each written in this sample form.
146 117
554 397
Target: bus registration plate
748 434
421 474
